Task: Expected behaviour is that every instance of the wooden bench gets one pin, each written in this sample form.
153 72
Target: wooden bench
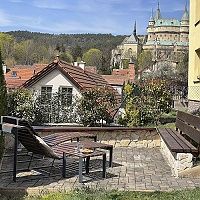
183 141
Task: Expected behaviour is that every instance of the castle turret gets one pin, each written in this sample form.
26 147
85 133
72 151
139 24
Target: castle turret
185 17
150 28
158 13
184 29
134 31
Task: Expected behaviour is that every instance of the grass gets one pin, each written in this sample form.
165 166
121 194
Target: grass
100 194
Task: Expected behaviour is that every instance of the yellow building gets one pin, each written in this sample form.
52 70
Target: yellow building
194 57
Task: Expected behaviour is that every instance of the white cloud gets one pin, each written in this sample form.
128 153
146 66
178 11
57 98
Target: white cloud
4 19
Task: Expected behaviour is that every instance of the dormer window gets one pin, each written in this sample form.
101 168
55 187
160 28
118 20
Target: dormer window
14 74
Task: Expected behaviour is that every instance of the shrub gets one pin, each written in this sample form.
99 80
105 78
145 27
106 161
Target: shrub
20 104
146 102
96 105
55 110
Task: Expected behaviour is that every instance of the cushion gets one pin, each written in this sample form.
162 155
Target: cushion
49 152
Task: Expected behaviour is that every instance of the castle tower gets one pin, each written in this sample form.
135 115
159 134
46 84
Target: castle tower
134 31
184 28
158 13
150 28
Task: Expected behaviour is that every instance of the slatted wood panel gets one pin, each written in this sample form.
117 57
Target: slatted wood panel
58 138
29 141
176 142
189 119
190 131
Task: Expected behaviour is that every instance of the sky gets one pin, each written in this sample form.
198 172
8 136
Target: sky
84 16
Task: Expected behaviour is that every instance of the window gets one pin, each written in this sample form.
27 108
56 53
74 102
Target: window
130 52
46 93
66 95
14 74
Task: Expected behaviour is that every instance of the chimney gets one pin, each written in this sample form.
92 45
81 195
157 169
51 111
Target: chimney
131 72
81 65
76 64
4 69
56 59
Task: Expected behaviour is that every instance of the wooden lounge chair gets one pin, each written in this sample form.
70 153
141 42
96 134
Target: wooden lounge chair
37 145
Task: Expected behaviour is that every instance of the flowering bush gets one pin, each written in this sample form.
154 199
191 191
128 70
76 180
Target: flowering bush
146 102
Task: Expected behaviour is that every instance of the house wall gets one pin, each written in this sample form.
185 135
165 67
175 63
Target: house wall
54 79
194 57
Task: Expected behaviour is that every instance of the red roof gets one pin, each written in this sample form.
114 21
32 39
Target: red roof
21 73
115 79
79 77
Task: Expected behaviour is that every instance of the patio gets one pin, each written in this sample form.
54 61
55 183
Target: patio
133 169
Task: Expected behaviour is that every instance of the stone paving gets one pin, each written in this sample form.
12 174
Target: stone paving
133 169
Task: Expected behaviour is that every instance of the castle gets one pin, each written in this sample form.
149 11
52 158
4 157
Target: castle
166 39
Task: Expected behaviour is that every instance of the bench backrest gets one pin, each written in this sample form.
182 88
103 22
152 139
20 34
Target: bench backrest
189 125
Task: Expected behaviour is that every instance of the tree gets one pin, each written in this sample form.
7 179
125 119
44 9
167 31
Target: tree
95 105
20 104
145 103
76 52
182 67
145 60
94 57
7 47
66 56
3 93
3 105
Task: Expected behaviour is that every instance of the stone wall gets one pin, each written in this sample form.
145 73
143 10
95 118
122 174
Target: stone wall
177 161
138 138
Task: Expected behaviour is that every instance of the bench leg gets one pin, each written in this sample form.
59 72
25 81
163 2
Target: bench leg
80 170
104 166
111 157
64 165
87 164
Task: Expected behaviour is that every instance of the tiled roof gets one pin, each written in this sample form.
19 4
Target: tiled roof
21 73
92 69
79 77
122 72
167 22
115 79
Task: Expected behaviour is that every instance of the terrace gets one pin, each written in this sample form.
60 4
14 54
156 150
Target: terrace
138 164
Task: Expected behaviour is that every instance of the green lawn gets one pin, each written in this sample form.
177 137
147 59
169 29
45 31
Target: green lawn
88 194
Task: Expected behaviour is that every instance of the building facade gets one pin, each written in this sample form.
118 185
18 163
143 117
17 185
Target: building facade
194 57
167 38
126 51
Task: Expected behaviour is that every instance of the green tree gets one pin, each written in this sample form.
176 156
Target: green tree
3 93
3 105
94 57
7 48
145 103
20 104
95 105
145 60
66 56
182 67
76 52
